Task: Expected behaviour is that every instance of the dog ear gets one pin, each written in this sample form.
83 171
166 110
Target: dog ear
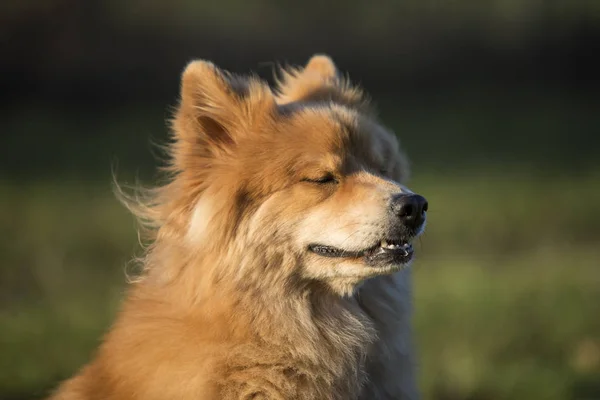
319 80
322 66
214 106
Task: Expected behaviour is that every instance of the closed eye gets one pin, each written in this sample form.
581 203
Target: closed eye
322 180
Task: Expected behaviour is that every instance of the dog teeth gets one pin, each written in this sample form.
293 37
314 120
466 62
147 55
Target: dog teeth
389 246
393 246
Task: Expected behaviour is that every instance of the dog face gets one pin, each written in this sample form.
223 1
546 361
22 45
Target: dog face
309 174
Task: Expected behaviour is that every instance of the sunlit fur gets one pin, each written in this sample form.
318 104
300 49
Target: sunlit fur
230 303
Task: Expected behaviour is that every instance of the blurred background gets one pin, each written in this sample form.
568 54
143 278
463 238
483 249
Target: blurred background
497 103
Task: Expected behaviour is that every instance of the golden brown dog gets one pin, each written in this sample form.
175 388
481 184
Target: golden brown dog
279 266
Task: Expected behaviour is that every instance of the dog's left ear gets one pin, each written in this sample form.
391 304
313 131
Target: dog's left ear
319 80
322 66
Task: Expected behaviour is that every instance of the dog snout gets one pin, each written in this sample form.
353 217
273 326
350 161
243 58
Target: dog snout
410 209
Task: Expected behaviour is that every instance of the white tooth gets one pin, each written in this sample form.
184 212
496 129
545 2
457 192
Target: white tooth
384 243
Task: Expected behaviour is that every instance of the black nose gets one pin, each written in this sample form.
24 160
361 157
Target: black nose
410 208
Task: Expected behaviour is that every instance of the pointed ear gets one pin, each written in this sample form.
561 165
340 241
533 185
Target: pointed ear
319 80
212 106
321 65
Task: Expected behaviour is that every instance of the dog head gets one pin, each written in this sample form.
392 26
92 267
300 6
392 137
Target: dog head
301 183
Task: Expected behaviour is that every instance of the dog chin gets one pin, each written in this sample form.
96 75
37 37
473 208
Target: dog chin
347 276
344 271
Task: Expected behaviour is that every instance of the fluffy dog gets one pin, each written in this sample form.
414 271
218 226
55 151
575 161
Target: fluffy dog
279 263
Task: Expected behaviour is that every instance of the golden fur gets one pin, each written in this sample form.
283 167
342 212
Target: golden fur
230 304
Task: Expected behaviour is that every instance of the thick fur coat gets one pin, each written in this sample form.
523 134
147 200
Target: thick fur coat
238 298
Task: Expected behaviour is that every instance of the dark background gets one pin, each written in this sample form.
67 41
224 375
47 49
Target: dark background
496 102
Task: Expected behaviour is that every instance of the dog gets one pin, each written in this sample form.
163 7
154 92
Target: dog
279 266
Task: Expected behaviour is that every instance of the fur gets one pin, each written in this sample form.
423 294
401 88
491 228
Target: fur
230 304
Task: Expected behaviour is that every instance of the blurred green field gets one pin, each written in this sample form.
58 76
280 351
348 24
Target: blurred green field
495 101
507 282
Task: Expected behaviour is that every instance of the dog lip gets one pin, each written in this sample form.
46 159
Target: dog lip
384 257
395 248
334 252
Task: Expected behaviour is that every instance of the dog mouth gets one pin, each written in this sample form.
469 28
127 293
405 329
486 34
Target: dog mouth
387 251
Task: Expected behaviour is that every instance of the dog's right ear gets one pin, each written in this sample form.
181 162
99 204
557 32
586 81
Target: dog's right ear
214 106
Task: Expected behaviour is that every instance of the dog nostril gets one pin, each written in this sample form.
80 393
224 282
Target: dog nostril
410 208
406 210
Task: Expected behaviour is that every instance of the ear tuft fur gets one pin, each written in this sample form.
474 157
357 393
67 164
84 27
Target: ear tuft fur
319 81
322 65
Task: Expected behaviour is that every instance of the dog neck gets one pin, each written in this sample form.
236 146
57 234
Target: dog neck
270 300
259 310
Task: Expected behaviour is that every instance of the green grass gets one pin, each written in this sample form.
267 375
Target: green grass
512 328
507 284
